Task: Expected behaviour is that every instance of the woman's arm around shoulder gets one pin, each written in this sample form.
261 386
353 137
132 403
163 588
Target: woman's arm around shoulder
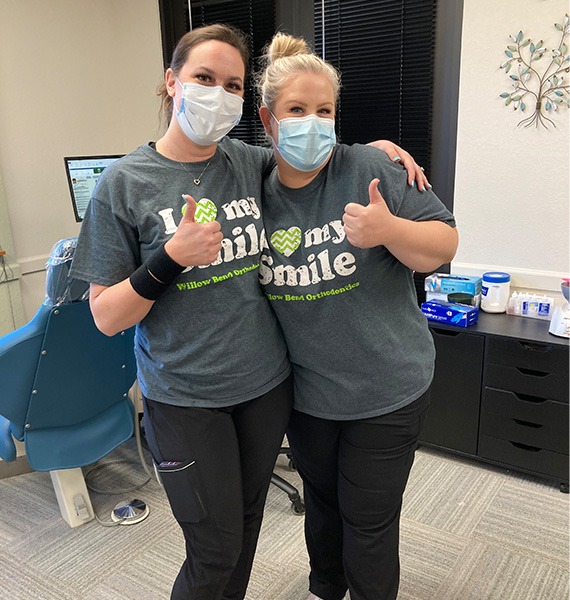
262 157
416 175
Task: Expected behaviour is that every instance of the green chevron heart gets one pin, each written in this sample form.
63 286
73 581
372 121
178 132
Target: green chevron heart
286 241
206 211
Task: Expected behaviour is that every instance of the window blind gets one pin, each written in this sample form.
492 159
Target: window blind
384 50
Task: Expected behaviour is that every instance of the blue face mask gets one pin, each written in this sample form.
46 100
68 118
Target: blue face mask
305 143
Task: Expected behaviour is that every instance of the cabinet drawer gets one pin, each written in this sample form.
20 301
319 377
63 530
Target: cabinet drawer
549 358
532 382
526 420
531 458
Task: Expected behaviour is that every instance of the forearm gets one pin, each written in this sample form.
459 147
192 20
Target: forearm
422 245
117 307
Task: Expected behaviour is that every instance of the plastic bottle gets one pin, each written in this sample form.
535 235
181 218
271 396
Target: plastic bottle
495 290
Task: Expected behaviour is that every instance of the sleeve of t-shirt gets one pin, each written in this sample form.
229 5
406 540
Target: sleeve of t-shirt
423 206
108 249
260 156
403 200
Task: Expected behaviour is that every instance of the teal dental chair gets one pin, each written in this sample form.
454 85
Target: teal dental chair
65 388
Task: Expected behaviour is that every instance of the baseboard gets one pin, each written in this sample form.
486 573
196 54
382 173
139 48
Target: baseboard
520 278
15 467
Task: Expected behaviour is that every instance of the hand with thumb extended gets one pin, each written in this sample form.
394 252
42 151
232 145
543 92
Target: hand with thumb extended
189 211
194 244
368 225
374 193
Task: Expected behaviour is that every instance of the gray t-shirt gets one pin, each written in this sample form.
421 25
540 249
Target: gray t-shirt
211 339
358 342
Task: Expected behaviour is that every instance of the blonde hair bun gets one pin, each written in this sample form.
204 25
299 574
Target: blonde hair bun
283 45
286 56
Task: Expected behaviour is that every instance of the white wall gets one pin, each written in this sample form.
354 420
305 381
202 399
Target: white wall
512 183
75 78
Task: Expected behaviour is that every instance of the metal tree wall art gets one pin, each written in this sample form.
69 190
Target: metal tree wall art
543 93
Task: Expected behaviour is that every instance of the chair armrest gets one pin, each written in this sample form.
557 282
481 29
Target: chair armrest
19 354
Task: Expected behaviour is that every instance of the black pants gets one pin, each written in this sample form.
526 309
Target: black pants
354 475
216 467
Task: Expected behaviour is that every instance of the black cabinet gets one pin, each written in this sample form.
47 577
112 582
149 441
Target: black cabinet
452 421
500 394
524 408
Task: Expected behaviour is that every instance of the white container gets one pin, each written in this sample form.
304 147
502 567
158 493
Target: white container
495 291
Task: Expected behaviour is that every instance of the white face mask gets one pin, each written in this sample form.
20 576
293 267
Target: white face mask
207 113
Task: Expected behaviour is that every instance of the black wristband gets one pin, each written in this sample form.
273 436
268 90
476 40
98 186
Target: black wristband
155 275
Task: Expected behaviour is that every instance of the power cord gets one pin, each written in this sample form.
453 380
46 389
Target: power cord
95 471
6 273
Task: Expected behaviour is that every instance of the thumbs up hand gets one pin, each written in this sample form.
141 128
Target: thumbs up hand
189 211
194 244
371 225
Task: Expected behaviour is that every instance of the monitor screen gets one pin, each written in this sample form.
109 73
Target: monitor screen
82 175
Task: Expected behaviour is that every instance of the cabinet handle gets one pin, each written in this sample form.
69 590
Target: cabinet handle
535 347
528 398
532 372
446 332
525 447
527 424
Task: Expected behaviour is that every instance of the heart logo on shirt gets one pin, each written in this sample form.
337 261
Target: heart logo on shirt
286 241
206 211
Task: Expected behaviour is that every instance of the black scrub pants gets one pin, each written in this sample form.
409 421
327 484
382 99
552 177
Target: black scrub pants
216 467
354 475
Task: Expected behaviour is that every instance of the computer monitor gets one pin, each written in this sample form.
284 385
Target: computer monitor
82 175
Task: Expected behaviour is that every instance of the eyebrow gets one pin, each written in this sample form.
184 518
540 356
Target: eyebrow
305 104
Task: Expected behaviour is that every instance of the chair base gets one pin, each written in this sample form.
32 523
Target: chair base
72 496
297 504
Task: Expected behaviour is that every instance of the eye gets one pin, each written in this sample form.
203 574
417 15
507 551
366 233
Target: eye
203 77
325 111
296 110
234 87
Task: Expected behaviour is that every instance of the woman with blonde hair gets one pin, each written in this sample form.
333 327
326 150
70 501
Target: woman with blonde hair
345 233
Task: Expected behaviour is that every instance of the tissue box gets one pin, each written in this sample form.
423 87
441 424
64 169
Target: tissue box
451 313
438 286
